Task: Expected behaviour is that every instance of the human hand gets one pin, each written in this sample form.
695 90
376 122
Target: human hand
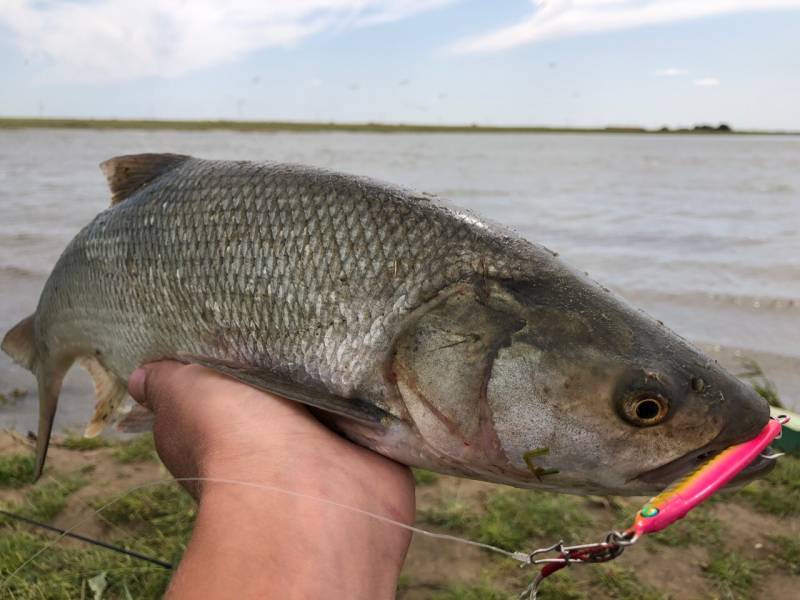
250 542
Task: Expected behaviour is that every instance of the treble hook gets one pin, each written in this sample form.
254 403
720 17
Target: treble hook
773 456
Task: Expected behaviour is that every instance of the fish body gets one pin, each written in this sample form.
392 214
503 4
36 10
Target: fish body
414 328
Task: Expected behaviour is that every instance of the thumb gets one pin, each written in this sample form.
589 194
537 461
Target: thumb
145 382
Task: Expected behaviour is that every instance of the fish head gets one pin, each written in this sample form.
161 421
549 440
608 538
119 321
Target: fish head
590 395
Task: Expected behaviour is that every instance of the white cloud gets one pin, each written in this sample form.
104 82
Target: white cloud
128 39
562 18
706 82
671 72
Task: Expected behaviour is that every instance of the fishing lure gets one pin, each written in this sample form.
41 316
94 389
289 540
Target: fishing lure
661 511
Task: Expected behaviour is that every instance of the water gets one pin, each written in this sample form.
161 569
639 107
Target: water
701 232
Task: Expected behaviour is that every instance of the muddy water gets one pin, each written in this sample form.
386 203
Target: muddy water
701 232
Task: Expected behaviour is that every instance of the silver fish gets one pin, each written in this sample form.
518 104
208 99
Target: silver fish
415 329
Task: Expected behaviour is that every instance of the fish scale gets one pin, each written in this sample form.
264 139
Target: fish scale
414 328
139 236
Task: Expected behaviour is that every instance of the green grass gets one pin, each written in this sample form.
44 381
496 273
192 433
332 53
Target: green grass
476 592
80 442
732 575
404 582
623 584
511 519
424 477
63 571
699 527
560 586
779 493
786 553
453 515
156 504
45 501
16 470
138 449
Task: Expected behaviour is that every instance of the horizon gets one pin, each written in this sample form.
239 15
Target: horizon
523 63
69 122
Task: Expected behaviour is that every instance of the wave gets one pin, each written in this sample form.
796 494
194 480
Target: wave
744 301
15 272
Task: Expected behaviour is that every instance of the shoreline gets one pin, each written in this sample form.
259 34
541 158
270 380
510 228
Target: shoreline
369 127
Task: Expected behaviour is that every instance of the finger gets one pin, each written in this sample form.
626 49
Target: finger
136 386
148 383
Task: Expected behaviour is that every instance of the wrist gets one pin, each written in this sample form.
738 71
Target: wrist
300 547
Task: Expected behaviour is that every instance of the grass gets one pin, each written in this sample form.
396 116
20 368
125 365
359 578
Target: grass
157 521
698 527
511 519
62 571
424 477
777 494
453 515
732 575
623 584
786 553
476 592
82 443
561 587
45 501
156 504
139 449
16 470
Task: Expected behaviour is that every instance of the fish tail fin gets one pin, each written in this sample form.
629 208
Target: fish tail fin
20 344
49 388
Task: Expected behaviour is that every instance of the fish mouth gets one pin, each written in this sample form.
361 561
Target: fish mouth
683 466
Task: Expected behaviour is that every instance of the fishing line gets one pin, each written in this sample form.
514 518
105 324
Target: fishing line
523 557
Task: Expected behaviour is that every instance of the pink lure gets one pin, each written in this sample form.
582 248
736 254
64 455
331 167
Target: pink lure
682 496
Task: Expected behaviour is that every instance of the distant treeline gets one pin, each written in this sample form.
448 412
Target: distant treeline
308 126
721 128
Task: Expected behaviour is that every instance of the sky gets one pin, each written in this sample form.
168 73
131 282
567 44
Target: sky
492 62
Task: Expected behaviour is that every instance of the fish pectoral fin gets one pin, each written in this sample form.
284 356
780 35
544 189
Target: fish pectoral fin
266 380
138 420
126 174
110 391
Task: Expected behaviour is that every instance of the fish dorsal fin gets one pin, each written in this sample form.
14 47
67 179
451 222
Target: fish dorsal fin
126 174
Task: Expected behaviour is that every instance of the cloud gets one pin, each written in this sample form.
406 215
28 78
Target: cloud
671 72
706 82
562 18
129 39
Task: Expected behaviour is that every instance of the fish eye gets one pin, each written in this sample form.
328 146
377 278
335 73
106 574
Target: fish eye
647 409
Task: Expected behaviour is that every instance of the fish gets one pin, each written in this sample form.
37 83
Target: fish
410 326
